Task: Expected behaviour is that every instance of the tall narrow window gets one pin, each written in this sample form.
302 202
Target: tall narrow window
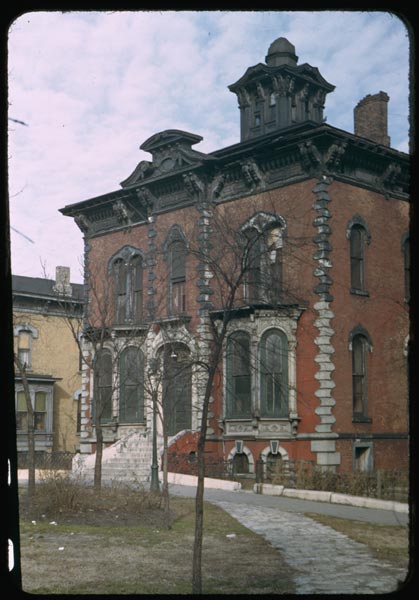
177 388
24 348
120 291
137 288
127 269
131 392
177 266
21 412
358 238
103 385
274 374
264 241
359 376
238 376
40 411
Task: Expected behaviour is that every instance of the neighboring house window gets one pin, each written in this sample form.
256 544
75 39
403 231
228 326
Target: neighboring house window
40 411
263 250
131 392
21 412
238 375
360 345
24 348
127 267
358 234
103 385
177 274
41 401
177 388
274 374
406 257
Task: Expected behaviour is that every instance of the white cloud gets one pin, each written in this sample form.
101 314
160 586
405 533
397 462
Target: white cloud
94 86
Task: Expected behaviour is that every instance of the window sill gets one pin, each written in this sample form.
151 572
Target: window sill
357 292
361 419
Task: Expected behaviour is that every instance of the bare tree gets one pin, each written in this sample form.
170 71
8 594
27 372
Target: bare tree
245 266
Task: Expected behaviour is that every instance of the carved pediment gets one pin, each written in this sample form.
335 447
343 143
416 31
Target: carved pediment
171 151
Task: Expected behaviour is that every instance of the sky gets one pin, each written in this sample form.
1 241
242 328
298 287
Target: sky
86 89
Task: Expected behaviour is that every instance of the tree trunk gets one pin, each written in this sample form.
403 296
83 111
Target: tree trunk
31 428
199 499
166 498
98 459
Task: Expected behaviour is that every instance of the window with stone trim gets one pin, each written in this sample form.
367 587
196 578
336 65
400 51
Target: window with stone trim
131 387
263 247
177 388
274 374
41 400
360 345
103 385
127 268
239 400
25 334
177 272
359 236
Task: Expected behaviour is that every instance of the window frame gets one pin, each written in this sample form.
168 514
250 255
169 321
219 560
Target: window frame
127 269
127 388
357 255
360 345
232 379
103 388
280 404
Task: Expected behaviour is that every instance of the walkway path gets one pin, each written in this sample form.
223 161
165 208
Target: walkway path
324 561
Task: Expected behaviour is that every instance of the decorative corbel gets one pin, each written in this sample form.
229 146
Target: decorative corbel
218 185
121 212
310 155
193 184
251 173
82 222
334 156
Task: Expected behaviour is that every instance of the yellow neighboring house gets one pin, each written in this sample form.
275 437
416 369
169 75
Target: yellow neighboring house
44 313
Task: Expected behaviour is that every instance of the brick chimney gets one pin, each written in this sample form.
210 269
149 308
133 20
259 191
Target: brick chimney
62 284
370 118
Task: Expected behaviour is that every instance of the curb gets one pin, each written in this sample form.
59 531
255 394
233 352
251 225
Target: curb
318 496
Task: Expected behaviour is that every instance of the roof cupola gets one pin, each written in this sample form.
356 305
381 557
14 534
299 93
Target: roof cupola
280 93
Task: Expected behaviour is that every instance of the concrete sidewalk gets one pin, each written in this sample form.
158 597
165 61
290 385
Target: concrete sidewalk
280 490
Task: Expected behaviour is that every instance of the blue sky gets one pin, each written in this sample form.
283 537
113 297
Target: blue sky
92 86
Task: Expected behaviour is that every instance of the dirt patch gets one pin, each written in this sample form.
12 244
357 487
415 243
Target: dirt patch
119 544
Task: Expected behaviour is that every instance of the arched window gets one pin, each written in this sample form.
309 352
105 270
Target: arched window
359 236
274 374
177 388
131 386
103 385
177 274
238 376
127 268
360 344
263 235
